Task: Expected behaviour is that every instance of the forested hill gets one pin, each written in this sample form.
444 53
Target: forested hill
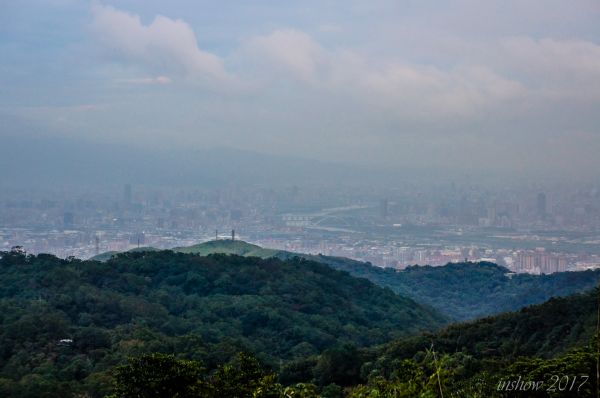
207 307
543 330
461 291
539 343
548 345
471 290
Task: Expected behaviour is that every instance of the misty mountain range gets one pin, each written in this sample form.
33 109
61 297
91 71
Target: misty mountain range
52 160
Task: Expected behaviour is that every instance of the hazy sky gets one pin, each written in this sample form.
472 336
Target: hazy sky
511 86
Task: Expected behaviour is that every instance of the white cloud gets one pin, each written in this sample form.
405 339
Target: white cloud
165 45
508 75
520 68
410 89
556 68
432 84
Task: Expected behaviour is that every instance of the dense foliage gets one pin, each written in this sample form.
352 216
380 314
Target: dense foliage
455 375
427 376
460 291
159 375
160 323
543 331
466 291
202 308
479 358
471 359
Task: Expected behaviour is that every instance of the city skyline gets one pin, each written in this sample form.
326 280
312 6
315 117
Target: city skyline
318 199
522 229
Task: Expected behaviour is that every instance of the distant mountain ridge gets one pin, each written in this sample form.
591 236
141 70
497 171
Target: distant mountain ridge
461 291
76 160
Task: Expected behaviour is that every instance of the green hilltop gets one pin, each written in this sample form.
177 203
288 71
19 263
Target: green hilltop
222 246
66 322
236 247
461 291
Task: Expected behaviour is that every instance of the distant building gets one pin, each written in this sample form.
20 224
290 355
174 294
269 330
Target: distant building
491 214
127 200
68 220
235 215
384 208
541 206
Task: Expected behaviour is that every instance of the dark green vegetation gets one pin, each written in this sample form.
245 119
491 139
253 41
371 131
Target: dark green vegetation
108 255
550 345
471 290
543 331
461 291
202 308
472 359
160 375
306 329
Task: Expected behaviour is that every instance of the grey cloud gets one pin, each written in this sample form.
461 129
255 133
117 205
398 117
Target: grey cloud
510 85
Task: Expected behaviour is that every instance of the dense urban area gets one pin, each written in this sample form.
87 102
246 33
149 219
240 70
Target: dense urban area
532 229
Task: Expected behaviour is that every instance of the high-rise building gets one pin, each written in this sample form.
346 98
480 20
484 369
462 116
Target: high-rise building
127 195
491 214
525 263
68 220
562 264
541 205
384 208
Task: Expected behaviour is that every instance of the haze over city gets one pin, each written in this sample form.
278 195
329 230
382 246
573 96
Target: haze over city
395 132
316 199
493 90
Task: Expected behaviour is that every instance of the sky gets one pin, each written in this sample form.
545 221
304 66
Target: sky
510 87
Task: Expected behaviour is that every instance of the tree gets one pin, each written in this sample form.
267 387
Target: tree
243 378
159 375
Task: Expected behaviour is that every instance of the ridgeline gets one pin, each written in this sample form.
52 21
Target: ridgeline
461 291
65 323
